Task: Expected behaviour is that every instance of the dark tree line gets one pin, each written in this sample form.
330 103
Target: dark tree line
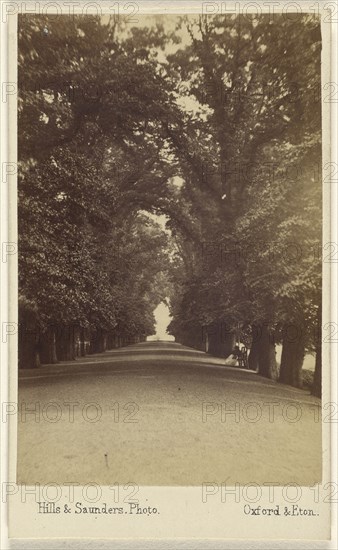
90 259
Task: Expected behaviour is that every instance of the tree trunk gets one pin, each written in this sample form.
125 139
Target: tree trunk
29 354
110 340
102 337
267 365
65 343
98 341
77 342
292 359
28 344
48 346
317 381
83 350
316 389
253 356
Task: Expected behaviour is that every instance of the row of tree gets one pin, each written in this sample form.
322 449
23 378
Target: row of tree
250 151
91 260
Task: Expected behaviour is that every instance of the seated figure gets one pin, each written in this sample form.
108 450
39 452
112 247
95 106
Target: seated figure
233 359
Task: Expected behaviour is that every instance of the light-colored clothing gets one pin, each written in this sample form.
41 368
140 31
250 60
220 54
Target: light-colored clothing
231 361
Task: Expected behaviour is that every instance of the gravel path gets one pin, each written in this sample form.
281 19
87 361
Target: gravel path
160 413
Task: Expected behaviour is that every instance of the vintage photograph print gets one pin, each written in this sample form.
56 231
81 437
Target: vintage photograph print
170 239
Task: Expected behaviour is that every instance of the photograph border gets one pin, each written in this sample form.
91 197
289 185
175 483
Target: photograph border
186 496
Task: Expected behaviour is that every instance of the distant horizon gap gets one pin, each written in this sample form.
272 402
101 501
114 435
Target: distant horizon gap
162 319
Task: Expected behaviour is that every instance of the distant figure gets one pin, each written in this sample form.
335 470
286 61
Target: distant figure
243 359
233 359
238 357
236 352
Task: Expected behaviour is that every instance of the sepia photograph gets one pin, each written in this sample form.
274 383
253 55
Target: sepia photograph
170 254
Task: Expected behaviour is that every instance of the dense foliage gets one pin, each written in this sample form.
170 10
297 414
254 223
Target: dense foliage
90 164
